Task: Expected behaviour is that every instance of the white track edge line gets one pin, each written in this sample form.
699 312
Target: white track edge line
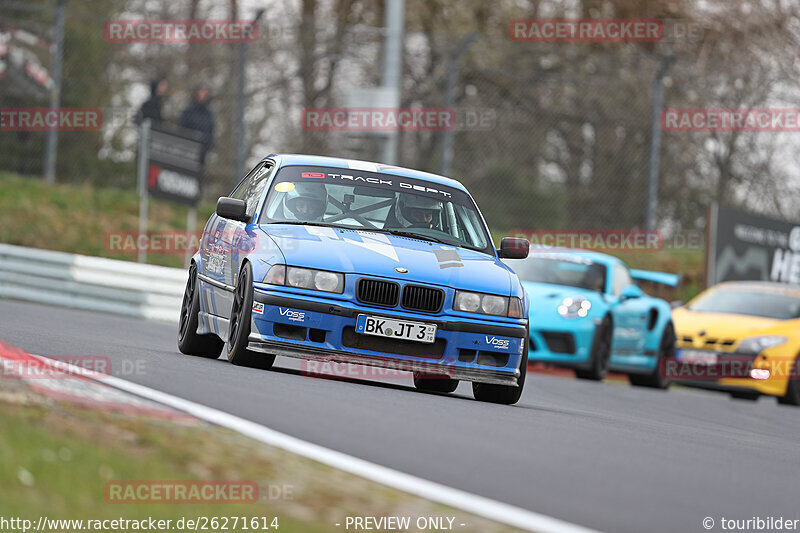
456 498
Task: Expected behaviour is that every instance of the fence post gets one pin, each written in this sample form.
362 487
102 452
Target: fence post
51 144
144 146
655 141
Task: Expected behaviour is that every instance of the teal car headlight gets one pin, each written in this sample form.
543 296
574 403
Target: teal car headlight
305 278
756 345
487 304
574 307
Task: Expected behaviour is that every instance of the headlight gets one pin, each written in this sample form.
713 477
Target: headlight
302 278
494 305
574 307
328 281
756 345
487 304
305 278
467 301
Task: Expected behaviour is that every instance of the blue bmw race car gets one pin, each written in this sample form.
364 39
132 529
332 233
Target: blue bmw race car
337 260
589 314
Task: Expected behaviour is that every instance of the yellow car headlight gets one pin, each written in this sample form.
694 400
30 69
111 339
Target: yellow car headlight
756 345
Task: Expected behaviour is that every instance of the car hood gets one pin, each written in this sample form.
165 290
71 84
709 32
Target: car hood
379 254
720 325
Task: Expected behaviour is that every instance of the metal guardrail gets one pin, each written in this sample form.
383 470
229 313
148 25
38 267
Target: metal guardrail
91 283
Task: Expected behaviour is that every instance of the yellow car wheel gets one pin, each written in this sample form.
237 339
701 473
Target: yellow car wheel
792 396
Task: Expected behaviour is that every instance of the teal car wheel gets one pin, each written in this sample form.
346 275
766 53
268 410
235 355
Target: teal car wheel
601 352
666 350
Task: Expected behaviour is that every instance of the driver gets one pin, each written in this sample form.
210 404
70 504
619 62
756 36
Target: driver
594 279
414 211
307 201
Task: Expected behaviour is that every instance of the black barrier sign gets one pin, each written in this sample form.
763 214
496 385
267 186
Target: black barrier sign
174 165
746 246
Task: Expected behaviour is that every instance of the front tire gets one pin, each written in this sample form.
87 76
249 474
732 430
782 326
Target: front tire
239 325
666 349
502 394
434 383
189 342
600 357
792 396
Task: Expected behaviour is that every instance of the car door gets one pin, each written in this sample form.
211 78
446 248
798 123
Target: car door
226 241
629 314
238 239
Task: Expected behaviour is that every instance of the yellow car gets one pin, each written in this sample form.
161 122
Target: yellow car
742 337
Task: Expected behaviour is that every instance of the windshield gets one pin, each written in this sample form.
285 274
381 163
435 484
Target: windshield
748 302
560 270
356 199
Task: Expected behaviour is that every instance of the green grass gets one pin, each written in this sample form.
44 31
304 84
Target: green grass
76 218
58 468
58 457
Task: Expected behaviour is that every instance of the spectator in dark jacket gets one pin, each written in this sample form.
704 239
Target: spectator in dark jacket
197 117
152 107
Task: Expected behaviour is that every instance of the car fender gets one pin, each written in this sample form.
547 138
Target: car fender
652 336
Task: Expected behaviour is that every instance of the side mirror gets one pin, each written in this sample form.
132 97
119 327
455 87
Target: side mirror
233 209
514 248
631 291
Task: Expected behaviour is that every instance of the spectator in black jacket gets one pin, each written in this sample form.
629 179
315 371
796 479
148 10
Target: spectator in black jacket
152 107
198 117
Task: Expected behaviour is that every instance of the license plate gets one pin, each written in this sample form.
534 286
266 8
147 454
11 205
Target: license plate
699 357
396 329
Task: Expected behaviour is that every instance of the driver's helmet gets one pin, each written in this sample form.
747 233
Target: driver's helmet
307 201
418 211
594 278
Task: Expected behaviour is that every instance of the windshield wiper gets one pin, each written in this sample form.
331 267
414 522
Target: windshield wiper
420 236
397 232
310 223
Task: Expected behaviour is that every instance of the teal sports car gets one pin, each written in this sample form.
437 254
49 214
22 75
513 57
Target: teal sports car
587 312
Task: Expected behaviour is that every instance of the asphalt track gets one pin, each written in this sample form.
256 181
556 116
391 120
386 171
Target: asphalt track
603 455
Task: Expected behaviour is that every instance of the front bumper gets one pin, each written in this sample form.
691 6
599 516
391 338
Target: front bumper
551 342
568 343
731 373
321 329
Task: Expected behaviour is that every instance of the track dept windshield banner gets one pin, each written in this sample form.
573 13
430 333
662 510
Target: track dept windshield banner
373 180
746 246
